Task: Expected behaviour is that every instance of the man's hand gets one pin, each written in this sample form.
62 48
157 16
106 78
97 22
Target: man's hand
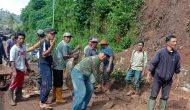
143 73
149 77
14 73
65 75
177 82
108 69
79 47
52 42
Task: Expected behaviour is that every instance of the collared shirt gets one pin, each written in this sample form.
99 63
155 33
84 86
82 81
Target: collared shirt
91 52
89 65
18 55
62 50
165 64
138 60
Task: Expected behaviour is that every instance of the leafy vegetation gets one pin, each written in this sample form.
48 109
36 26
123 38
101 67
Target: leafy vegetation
114 20
9 20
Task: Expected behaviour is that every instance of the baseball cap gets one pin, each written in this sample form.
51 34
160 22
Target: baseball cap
51 30
67 34
95 40
40 32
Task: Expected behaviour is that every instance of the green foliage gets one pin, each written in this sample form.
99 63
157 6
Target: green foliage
119 73
9 20
114 20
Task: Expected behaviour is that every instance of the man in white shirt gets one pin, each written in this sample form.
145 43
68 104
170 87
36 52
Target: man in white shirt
18 64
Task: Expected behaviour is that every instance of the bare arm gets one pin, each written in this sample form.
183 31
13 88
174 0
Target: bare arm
35 46
48 51
13 68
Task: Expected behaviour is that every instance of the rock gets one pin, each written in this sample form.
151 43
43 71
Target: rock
109 104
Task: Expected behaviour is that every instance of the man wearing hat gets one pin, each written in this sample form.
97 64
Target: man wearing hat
45 63
83 88
92 50
107 65
40 34
62 53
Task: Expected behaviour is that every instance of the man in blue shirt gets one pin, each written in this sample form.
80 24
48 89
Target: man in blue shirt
107 65
165 63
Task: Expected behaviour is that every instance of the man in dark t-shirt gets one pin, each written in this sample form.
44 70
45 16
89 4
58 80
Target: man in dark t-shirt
45 62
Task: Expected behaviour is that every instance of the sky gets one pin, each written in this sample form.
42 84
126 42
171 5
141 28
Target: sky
14 6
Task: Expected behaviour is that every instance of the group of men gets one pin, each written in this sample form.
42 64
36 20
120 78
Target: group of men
164 64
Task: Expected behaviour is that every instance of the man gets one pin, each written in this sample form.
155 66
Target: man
10 43
18 63
165 63
40 34
62 53
137 68
87 46
46 60
83 88
2 54
107 66
91 51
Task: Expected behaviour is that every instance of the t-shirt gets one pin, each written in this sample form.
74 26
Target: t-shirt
89 65
91 52
62 50
106 61
18 55
44 45
10 43
138 60
85 48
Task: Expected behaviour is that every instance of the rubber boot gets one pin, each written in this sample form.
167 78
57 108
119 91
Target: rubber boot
53 99
151 104
163 104
59 98
19 95
11 97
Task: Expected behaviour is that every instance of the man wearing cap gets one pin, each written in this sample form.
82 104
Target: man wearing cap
107 65
40 34
137 68
92 50
45 63
83 88
62 53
